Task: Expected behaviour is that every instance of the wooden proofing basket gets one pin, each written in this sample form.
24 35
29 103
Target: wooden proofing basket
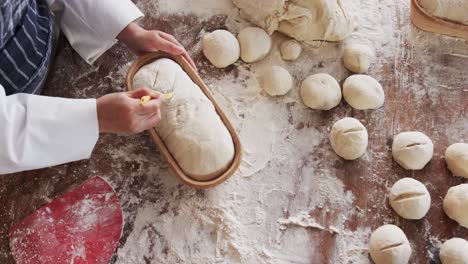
428 22
232 167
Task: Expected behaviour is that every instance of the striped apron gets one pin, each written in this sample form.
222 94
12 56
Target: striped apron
27 41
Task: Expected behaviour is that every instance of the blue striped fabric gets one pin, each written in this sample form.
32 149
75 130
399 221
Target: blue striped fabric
26 43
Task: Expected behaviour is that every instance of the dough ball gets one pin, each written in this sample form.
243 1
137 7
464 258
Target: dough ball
358 57
456 157
454 251
388 245
320 91
363 92
348 138
276 80
290 50
456 204
412 150
221 48
410 198
255 44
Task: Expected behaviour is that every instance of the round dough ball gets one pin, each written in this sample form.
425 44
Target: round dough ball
410 198
276 80
320 91
221 48
456 204
348 138
456 157
388 245
358 57
290 50
412 150
454 251
255 44
363 92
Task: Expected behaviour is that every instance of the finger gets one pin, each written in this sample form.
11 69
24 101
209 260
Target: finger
152 120
138 93
149 108
170 47
189 59
169 37
172 39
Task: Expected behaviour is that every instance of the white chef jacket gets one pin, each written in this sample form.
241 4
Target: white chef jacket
40 131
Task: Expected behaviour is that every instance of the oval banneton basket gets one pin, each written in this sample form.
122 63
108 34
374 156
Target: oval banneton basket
232 167
427 22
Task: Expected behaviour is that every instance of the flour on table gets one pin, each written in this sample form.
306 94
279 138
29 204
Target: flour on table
237 222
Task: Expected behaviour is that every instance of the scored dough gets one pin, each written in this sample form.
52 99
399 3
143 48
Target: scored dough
254 44
221 48
190 127
456 204
410 198
305 20
276 80
454 251
349 138
412 150
320 91
363 92
388 244
456 157
290 50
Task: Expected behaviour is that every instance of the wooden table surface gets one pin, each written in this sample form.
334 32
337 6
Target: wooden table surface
426 84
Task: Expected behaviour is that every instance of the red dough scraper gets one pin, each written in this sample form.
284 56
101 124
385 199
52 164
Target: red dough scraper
81 226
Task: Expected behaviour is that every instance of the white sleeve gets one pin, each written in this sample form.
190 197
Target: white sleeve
91 26
40 131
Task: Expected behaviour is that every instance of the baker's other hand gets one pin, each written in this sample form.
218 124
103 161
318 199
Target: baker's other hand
122 113
141 41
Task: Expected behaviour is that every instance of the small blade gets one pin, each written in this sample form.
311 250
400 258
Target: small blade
145 99
168 96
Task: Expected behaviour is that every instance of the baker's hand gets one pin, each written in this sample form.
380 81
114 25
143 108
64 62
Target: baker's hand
122 113
141 41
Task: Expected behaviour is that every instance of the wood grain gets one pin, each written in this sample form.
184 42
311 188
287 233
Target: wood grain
438 107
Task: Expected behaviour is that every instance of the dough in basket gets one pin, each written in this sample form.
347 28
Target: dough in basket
190 127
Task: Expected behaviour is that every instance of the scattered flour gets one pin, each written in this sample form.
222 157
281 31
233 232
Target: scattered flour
283 201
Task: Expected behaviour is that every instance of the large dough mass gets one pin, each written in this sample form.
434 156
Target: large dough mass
304 20
190 127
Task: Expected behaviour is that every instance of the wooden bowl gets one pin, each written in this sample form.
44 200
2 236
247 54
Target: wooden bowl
232 167
428 22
